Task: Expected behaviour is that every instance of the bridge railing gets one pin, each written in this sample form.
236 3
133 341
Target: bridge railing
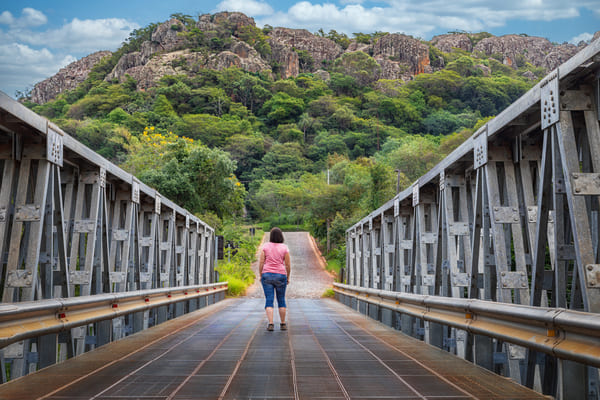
566 334
73 224
29 320
511 216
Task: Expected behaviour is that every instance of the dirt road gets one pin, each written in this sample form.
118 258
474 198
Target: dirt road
308 278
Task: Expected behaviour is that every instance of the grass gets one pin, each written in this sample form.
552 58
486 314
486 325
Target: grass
328 293
235 286
334 265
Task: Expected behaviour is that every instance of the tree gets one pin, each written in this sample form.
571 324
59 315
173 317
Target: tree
247 151
187 172
359 66
282 108
282 160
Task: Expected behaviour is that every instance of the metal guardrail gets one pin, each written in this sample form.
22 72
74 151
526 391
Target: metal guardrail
566 334
27 320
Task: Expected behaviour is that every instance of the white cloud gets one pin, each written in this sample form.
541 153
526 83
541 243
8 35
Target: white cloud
29 54
30 17
586 37
248 7
6 18
87 35
420 18
22 66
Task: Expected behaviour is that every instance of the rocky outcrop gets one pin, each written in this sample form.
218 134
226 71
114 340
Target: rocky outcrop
232 20
451 41
559 55
515 50
165 38
67 78
167 35
242 55
401 56
297 50
285 58
172 63
322 50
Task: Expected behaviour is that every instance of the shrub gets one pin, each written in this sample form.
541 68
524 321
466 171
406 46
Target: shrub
235 287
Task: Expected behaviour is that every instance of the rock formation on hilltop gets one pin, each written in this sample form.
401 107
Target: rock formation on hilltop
67 78
283 41
515 50
448 42
401 56
231 39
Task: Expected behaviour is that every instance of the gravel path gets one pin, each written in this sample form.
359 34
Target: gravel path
308 278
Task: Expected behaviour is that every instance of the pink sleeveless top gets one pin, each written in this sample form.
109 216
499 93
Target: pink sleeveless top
275 257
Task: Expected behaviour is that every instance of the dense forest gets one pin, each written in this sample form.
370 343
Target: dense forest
313 151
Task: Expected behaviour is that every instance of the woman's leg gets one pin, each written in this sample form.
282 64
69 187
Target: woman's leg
269 290
269 311
280 287
282 311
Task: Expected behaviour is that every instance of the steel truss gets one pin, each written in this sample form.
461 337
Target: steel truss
511 216
74 224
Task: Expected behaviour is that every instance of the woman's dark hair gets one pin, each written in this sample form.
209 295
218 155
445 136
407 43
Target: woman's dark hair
276 235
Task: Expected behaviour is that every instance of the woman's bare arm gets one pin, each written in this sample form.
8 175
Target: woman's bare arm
288 266
261 262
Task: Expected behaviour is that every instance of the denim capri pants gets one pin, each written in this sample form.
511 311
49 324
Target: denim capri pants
274 284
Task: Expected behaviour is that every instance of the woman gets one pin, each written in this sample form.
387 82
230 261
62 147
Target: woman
274 269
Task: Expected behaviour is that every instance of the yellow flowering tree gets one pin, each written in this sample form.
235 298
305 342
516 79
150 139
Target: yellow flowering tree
189 173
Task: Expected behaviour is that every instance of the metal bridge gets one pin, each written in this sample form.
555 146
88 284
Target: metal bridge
491 259
493 254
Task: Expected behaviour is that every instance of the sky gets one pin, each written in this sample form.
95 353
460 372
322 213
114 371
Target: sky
38 37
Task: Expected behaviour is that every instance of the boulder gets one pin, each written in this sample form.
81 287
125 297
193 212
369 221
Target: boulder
167 35
452 41
242 55
67 78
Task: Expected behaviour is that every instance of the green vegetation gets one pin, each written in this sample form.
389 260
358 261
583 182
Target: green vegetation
306 153
235 268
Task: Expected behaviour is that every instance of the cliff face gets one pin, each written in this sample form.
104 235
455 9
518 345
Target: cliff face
401 56
67 78
516 50
322 50
293 51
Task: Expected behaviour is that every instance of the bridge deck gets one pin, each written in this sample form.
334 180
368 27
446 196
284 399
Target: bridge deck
224 351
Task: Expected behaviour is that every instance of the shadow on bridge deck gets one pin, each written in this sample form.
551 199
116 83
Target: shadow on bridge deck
224 351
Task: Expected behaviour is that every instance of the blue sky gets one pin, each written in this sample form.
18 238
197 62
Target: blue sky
39 37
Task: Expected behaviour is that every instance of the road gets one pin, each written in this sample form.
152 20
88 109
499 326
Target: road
308 279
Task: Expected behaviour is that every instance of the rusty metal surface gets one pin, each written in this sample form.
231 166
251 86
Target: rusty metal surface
224 352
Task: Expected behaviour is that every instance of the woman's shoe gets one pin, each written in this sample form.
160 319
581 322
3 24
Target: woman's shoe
270 327
283 326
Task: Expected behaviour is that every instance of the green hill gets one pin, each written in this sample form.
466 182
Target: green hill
284 126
